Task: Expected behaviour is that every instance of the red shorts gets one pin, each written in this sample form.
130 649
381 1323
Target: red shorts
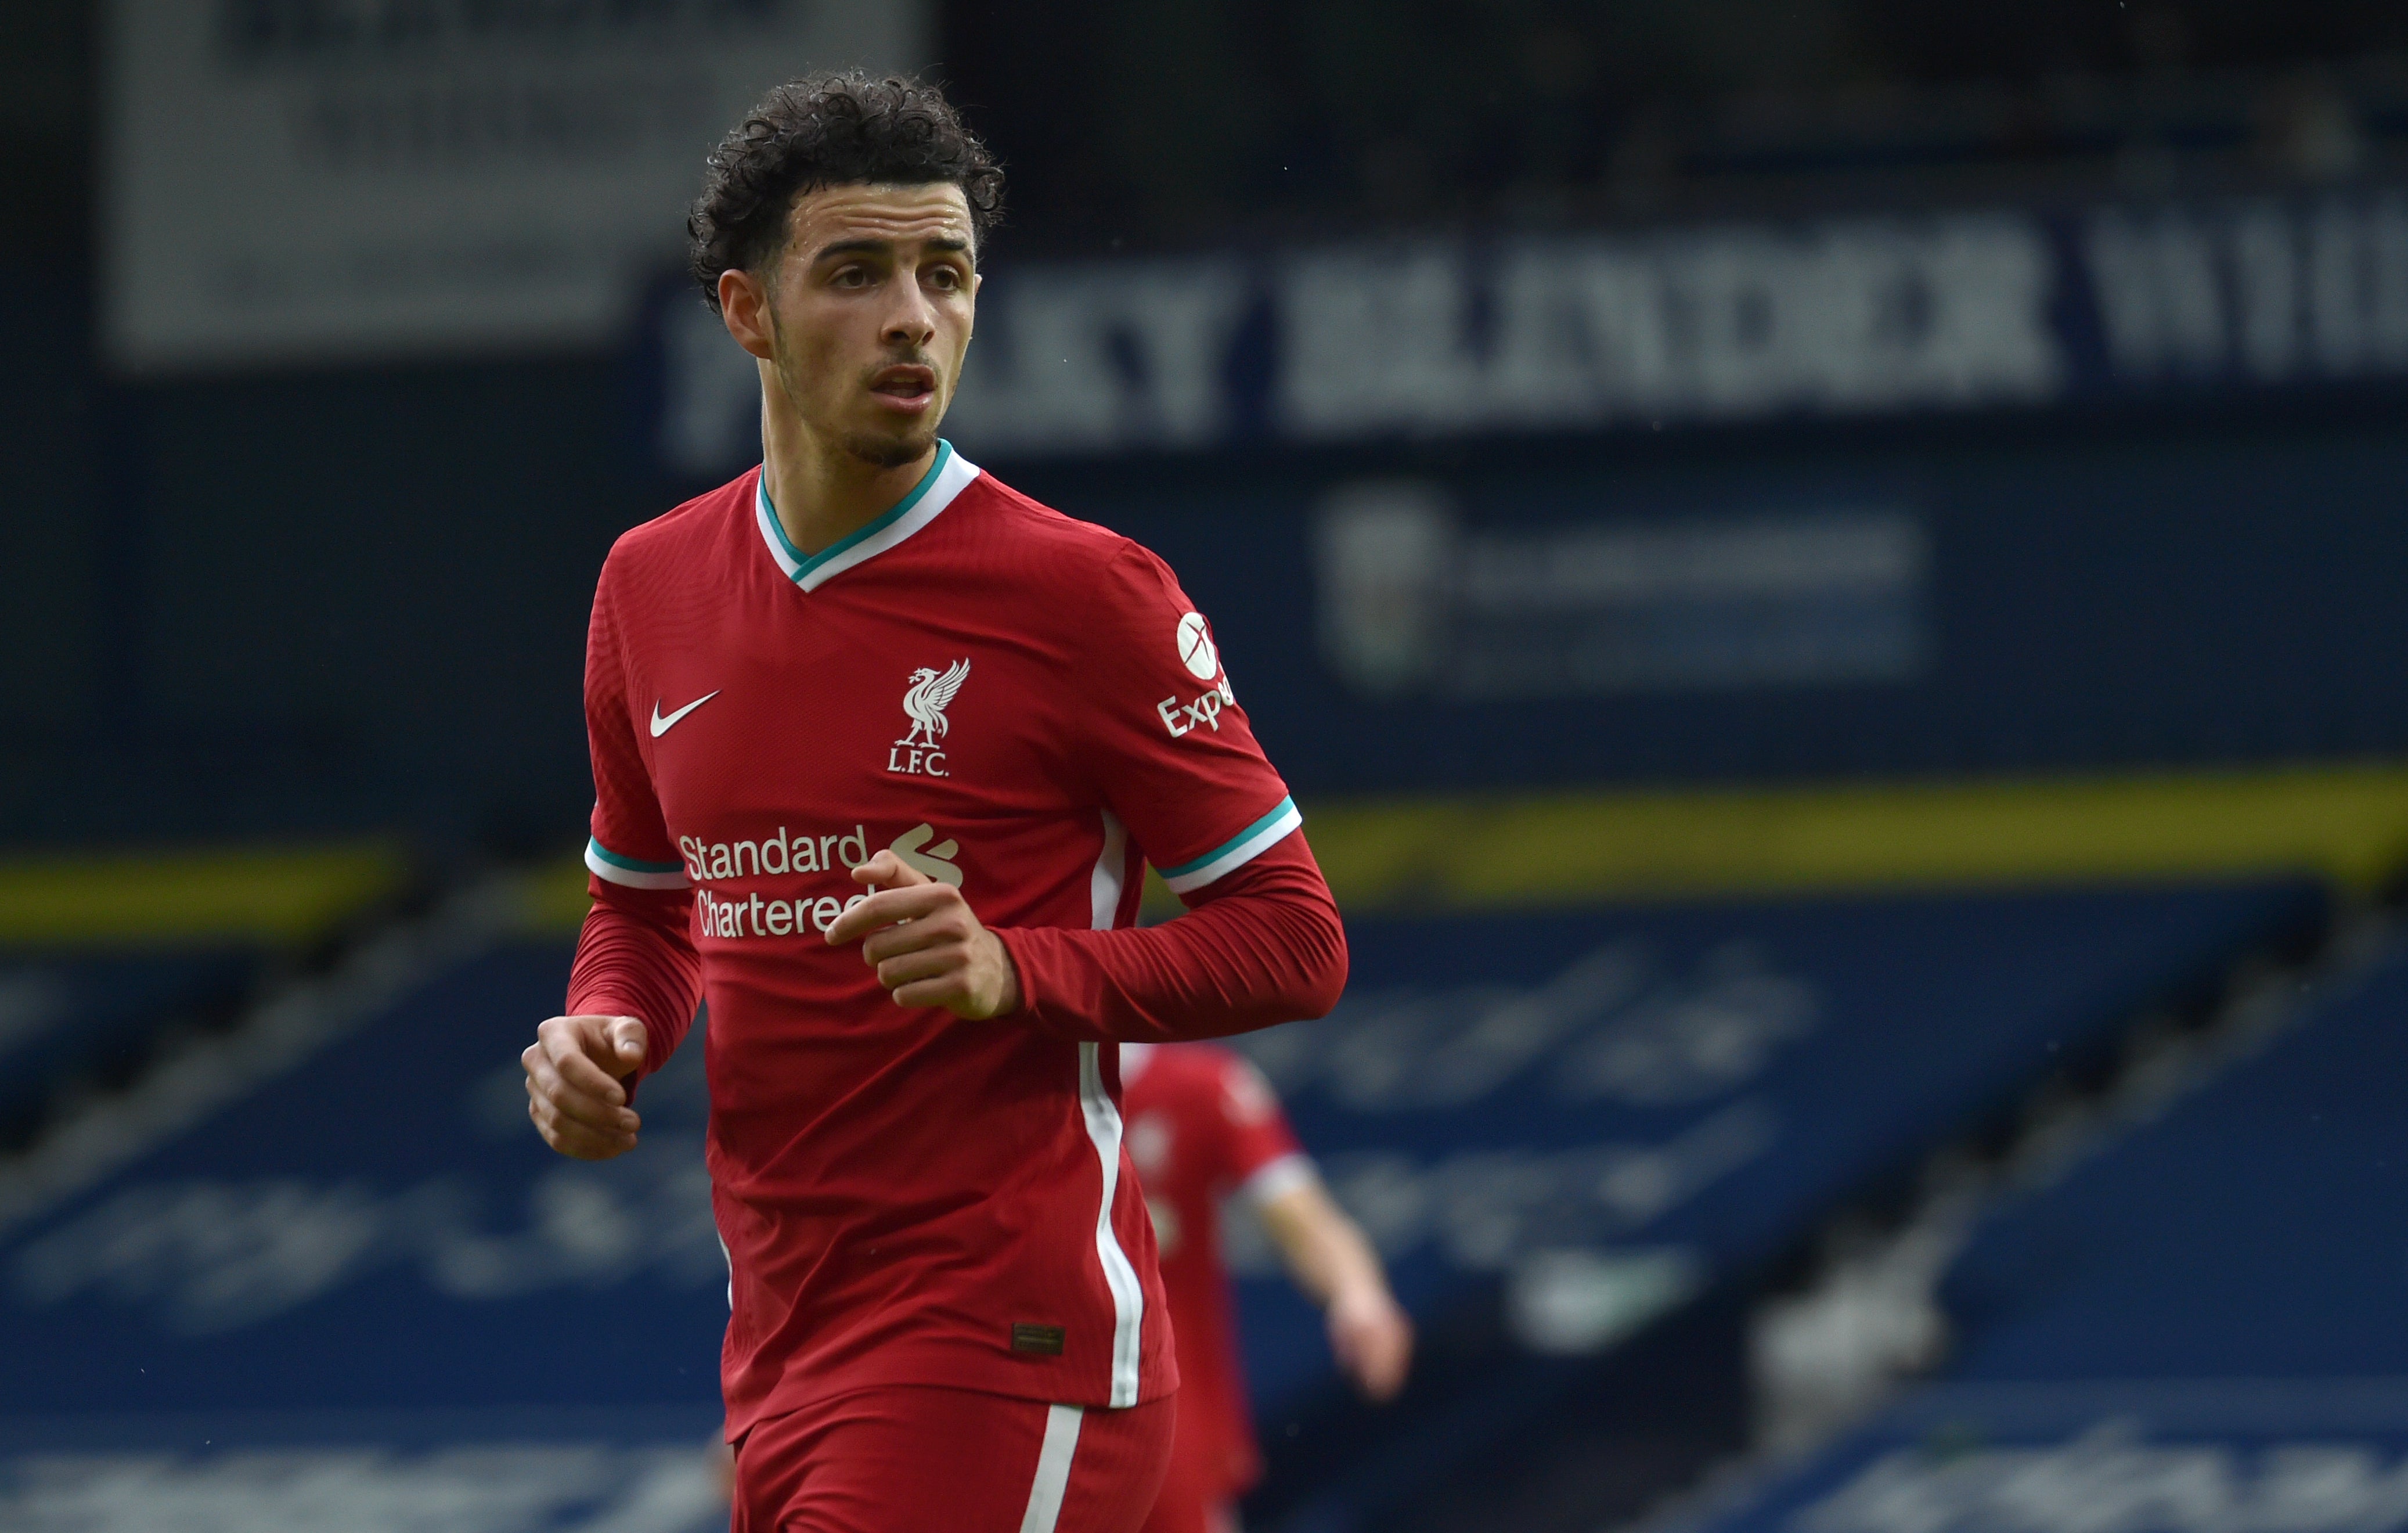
910 1459
1195 1491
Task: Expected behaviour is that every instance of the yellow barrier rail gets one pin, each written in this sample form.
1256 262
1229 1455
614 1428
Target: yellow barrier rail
267 895
2348 824
554 898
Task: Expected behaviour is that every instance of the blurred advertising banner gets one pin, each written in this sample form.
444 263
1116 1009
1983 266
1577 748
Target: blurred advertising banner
312 179
1446 337
1412 601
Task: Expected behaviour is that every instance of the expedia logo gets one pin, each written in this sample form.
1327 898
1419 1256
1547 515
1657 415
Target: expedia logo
1202 658
1205 712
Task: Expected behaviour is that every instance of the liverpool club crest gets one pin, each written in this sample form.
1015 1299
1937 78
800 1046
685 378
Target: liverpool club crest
920 752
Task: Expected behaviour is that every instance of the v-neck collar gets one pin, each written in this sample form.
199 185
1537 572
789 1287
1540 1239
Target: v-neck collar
945 479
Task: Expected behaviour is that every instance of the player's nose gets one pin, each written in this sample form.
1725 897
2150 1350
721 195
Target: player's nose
913 322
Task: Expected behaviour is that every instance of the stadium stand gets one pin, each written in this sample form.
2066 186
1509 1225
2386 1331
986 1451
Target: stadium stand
65 1022
105 958
363 1290
2255 1233
2193 1328
443 1232
1568 1131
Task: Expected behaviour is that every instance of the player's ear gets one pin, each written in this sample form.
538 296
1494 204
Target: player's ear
744 307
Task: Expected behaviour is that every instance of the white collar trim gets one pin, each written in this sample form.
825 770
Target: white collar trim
945 479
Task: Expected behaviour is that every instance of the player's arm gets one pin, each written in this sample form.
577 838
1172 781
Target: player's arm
1330 1258
1264 945
635 960
1261 945
633 989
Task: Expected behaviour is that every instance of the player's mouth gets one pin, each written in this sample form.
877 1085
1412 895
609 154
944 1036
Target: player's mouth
908 388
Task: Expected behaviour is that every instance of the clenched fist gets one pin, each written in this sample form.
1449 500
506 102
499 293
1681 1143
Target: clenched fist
575 1071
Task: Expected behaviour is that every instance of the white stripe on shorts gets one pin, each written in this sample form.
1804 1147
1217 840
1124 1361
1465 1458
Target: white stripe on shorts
1052 1468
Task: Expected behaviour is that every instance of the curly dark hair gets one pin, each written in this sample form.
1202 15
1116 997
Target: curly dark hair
836 129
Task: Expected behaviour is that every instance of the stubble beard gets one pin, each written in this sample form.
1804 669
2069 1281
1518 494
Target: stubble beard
878 450
887 452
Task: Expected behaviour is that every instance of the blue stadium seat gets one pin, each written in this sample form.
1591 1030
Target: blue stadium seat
2258 1232
66 1019
1697 1083
2198 1329
382 1229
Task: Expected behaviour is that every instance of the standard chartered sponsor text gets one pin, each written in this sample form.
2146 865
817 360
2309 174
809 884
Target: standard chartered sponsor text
748 913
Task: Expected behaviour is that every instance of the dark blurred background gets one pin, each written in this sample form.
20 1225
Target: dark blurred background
173 679
1826 574
1185 122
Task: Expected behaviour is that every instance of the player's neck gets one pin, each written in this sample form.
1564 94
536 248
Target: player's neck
822 494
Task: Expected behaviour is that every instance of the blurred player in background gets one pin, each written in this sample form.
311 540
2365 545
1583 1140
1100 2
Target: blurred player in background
879 750
1203 1125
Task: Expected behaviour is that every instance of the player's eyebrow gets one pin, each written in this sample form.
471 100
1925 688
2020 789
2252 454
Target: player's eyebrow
884 247
854 247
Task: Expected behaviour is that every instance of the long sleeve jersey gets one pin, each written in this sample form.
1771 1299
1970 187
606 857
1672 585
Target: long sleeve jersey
1022 705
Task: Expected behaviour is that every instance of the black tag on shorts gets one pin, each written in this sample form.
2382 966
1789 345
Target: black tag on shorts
1045 1341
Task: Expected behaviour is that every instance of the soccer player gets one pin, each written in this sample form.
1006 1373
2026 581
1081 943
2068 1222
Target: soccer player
1203 1125
879 747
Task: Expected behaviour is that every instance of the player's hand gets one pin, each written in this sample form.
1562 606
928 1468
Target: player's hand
926 943
1373 1340
574 1070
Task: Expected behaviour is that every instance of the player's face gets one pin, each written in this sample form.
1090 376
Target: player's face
870 310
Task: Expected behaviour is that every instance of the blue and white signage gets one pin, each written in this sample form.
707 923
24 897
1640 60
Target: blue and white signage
1847 317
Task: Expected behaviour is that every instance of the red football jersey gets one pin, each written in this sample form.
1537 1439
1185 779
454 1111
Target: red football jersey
1021 704
1204 1126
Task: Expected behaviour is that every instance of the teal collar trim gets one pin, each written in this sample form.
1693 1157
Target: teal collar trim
945 479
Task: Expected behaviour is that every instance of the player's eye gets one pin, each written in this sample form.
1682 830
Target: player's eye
852 277
945 278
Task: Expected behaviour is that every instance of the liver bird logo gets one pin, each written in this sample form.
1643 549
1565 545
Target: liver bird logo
925 701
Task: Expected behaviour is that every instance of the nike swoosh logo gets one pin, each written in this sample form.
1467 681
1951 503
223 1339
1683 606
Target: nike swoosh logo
662 725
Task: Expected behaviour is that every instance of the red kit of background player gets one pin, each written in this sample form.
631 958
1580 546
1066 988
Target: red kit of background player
1203 1127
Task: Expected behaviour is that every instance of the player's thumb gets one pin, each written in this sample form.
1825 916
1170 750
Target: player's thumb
888 870
624 1041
